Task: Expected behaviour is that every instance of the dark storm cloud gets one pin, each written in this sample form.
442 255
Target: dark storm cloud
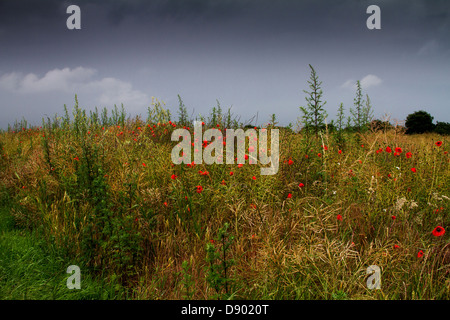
253 54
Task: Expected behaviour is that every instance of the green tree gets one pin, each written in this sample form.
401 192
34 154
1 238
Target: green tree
314 114
419 122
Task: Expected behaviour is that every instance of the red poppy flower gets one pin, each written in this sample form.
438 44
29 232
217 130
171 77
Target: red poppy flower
254 178
394 217
388 149
301 185
413 170
340 151
290 162
396 246
76 158
339 217
143 164
173 177
319 154
231 173
408 155
289 196
199 189
420 254
398 150
438 231
325 147
439 143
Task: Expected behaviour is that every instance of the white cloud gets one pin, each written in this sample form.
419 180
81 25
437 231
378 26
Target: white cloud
107 91
368 81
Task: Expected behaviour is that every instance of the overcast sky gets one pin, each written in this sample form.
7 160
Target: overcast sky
251 55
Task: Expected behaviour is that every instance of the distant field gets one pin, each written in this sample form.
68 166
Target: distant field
109 199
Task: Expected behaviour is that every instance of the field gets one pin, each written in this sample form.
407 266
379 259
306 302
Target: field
104 194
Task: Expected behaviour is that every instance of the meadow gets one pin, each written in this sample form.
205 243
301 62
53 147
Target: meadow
101 192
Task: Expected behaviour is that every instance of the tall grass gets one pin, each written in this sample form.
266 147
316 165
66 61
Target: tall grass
106 191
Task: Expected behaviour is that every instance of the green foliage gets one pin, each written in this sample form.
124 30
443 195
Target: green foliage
419 122
186 281
182 114
358 112
314 114
442 128
218 270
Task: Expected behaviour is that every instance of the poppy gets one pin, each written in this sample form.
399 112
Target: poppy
340 151
388 149
231 173
339 217
394 217
398 150
325 147
396 246
199 189
438 231
413 170
301 185
408 155
173 177
319 154
439 143
254 178
289 196
290 162
420 254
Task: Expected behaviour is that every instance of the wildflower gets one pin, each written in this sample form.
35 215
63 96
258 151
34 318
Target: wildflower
240 165
413 170
339 217
438 231
398 150
223 182
396 246
231 173
290 162
173 177
325 147
439 143
420 254
340 151
408 155
144 164
254 178
394 217
289 196
76 158
388 149
199 189
319 154
301 185
165 203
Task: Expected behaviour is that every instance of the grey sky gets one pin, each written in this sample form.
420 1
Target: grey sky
252 55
